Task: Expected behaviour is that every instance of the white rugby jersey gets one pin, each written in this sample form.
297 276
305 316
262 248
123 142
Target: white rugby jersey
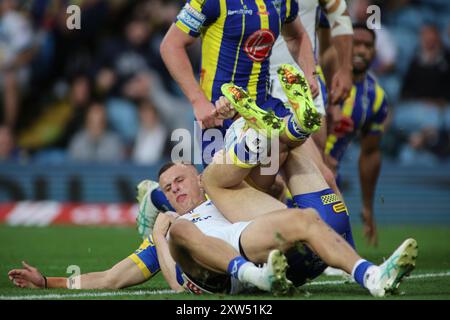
206 215
280 52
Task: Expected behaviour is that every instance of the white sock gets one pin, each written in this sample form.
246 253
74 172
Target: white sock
249 273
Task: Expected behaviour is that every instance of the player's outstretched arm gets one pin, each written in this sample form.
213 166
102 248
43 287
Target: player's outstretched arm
174 54
369 169
124 274
166 262
341 32
299 45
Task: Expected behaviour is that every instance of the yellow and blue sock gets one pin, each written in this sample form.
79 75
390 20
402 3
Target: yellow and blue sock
293 131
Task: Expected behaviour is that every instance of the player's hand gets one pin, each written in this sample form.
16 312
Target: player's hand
203 111
341 86
224 109
28 277
313 85
370 229
163 222
334 113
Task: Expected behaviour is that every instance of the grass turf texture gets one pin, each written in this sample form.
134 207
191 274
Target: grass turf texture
53 249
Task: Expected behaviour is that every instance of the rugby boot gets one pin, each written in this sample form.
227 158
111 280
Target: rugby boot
259 119
300 98
388 276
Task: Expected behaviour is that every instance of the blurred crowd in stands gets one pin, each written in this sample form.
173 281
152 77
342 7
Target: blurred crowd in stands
103 94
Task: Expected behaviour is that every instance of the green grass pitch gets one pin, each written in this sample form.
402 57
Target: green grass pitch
53 249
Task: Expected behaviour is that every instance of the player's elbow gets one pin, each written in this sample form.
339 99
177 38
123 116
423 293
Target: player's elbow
164 48
171 44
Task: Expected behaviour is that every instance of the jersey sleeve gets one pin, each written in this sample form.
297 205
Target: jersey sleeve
291 10
146 258
197 14
376 125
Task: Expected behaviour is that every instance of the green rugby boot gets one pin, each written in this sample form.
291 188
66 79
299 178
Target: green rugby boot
277 265
300 98
261 120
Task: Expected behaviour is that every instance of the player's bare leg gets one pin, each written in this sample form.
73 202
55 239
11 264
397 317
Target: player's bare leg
202 256
223 182
282 229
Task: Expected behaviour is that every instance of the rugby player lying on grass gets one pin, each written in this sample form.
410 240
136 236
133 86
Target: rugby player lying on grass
195 241
149 259
136 269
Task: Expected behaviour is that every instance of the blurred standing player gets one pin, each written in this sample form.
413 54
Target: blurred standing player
341 36
363 113
237 39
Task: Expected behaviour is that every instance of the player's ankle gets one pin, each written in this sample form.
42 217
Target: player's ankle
293 130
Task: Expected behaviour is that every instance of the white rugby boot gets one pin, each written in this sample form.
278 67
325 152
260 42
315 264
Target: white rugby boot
147 212
385 279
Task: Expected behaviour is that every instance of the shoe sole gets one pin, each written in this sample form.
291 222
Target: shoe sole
409 251
256 118
280 285
300 98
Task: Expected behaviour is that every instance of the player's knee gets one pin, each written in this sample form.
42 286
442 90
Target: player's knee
182 232
310 217
299 223
207 176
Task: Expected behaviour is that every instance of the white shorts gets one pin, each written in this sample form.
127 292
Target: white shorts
230 234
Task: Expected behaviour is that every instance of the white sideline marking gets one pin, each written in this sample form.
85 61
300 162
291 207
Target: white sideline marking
87 294
417 276
156 292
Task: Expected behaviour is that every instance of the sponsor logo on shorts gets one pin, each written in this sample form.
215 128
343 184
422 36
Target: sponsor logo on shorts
258 45
191 18
192 287
329 198
339 207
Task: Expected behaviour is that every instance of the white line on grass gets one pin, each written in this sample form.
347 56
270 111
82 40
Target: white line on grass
157 292
87 294
417 276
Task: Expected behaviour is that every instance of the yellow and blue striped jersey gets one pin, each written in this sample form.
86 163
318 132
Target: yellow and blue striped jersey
367 108
237 39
